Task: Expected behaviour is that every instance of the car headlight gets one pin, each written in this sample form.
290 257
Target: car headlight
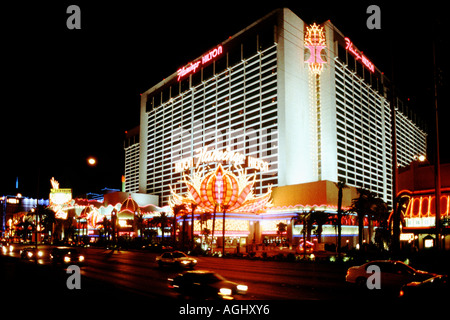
81 258
66 259
225 291
185 262
29 254
40 253
242 287
194 261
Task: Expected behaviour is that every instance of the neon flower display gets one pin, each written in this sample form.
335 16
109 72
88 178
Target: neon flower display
221 190
315 42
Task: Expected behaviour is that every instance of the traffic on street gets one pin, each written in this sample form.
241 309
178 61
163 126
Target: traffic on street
141 274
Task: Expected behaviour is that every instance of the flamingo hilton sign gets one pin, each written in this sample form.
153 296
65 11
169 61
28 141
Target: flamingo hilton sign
205 156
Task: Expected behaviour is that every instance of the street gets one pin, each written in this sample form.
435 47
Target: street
267 280
136 274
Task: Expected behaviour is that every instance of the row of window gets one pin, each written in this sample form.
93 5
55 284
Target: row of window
237 51
363 134
235 110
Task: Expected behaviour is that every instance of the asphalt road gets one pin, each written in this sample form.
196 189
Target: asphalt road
267 280
129 283
135 274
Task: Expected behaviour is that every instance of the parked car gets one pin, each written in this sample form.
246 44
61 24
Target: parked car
66 256
393 274
31 253
176 259
206 285
434 288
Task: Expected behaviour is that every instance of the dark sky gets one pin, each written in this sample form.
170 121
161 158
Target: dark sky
71 94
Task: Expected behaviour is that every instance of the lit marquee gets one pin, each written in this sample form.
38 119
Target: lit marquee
418 210
59 199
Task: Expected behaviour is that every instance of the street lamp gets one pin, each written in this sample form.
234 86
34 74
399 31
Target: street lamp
91 161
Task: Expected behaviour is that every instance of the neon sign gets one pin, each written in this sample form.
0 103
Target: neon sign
358 55
219 190
315 42
192 67
205 156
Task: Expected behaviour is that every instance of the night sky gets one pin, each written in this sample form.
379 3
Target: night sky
71 94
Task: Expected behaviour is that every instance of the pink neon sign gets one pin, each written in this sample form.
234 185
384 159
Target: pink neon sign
192 67
359 56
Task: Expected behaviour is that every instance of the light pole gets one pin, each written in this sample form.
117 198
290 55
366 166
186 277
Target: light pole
437 164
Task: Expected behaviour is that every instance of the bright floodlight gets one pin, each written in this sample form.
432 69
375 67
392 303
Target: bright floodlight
92 161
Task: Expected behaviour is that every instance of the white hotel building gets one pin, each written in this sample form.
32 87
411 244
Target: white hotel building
302 98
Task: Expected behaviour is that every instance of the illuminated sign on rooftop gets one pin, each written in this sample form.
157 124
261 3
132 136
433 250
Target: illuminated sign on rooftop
193 66
359 56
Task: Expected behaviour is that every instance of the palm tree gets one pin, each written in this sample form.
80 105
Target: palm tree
281 228
193 207
320 217
303 217
214 224
48 219
162 221
223 230
106 224
24 226
203 218
367 204
206 232
177 210
340 185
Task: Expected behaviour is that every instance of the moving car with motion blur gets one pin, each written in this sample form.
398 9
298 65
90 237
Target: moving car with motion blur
435 288
66 256
31 253
206 285
176 259
393 274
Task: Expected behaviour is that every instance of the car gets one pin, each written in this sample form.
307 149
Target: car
7 247
66 256
434 288
31 253
393 274
176 259
206 284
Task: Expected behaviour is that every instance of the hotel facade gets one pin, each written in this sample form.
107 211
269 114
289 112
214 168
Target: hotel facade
300 103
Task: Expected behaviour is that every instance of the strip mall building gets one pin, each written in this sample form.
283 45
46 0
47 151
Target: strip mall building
294 107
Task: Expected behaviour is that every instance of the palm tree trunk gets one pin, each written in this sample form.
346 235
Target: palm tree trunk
339 222
213 226
193 206
360 229
223 232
